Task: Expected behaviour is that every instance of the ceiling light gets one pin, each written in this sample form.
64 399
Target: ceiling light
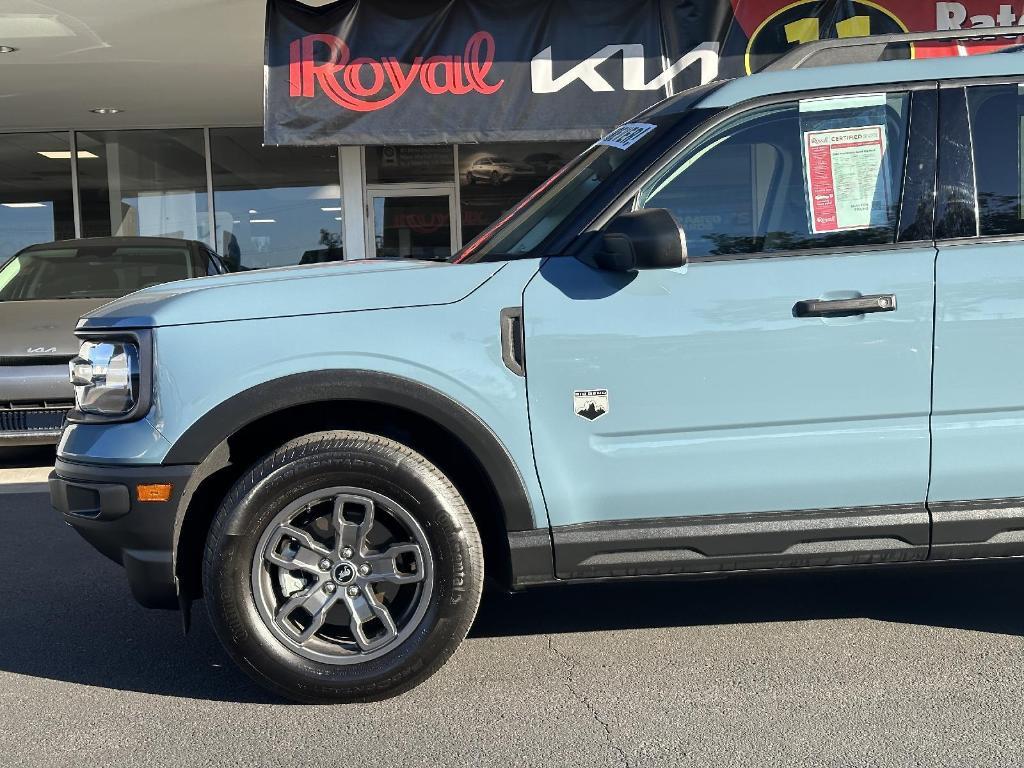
23 205
253 210
337 218
83 154
106 110
263 221
7 49
20 26
329 209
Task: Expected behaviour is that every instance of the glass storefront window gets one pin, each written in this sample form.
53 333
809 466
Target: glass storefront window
412 226
274 206
36 201
146 182
494 177
409 164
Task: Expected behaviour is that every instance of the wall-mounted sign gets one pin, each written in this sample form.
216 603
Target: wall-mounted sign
441 71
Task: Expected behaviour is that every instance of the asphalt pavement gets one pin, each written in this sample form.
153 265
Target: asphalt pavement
847 668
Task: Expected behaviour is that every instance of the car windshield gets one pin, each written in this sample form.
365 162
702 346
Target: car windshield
529 223
93 272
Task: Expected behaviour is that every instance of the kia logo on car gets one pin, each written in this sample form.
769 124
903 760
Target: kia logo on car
366 85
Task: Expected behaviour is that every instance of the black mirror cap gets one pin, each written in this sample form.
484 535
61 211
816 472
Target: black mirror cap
646 239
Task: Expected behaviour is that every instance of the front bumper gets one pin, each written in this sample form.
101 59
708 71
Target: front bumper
100 503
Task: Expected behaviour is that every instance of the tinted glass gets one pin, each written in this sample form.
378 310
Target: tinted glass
78 273
494 177
810 174
35 190
410 163
412 227
150 183
997 124
274 206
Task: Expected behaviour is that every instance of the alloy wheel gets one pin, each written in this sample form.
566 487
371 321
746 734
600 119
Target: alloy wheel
342 575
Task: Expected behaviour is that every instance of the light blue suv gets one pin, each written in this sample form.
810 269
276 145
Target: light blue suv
772 323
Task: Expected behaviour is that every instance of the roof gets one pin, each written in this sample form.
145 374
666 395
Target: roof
875 73
112 242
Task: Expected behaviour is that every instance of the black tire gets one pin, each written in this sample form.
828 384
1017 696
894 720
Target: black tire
495 178
329 460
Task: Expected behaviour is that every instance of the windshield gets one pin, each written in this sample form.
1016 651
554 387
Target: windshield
529 223
91 272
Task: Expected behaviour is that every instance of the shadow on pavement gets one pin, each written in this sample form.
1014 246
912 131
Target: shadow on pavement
67 614
984 597
31 456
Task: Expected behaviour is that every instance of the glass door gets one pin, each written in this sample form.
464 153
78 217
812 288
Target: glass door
411 221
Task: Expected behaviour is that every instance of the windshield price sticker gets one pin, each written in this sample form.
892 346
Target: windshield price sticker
844 168
626 135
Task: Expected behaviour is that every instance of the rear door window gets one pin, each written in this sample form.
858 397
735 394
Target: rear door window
809 173
997 128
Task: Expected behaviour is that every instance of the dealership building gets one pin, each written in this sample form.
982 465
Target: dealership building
146 118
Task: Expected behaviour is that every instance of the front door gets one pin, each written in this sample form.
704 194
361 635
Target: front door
740 411
411 221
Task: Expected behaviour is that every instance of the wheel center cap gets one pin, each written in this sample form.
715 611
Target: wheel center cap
344 574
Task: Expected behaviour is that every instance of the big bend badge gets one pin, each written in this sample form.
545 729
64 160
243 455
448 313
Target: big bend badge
590 404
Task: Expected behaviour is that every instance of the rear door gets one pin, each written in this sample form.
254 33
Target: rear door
730 413
977 487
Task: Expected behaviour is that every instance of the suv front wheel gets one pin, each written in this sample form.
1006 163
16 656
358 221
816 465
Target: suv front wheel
342 567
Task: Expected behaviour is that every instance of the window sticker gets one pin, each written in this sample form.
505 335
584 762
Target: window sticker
626 135
845 183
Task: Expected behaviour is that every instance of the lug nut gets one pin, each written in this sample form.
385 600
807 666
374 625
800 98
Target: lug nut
325 564
364 569
353 591
329 587
346 552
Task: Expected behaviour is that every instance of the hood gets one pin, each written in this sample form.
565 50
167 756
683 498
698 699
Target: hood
344 286
42 328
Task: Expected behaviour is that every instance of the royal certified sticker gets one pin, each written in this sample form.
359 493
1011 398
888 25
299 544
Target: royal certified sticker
845 182
590 404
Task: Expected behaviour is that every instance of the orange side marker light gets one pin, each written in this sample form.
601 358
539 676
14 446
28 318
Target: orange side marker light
153 492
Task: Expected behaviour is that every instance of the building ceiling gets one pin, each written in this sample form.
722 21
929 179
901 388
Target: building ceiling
164 62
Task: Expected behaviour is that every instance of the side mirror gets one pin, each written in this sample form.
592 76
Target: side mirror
646 239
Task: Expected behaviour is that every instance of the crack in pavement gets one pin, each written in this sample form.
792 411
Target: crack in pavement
570 667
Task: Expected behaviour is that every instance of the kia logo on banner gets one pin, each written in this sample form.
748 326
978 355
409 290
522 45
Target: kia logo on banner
441 71
634 66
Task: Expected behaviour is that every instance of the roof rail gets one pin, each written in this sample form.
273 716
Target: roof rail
854 50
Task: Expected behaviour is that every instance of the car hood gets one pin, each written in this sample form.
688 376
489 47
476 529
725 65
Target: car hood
42 328
344 286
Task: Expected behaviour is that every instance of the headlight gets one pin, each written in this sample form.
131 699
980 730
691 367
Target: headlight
107 378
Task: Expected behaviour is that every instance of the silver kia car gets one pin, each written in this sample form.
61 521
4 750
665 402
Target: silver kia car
44 289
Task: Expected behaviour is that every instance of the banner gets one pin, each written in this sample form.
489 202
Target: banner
444 71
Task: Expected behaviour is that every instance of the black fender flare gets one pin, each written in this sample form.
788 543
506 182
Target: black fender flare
199 441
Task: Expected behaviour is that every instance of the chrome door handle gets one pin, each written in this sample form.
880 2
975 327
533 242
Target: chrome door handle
881 302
